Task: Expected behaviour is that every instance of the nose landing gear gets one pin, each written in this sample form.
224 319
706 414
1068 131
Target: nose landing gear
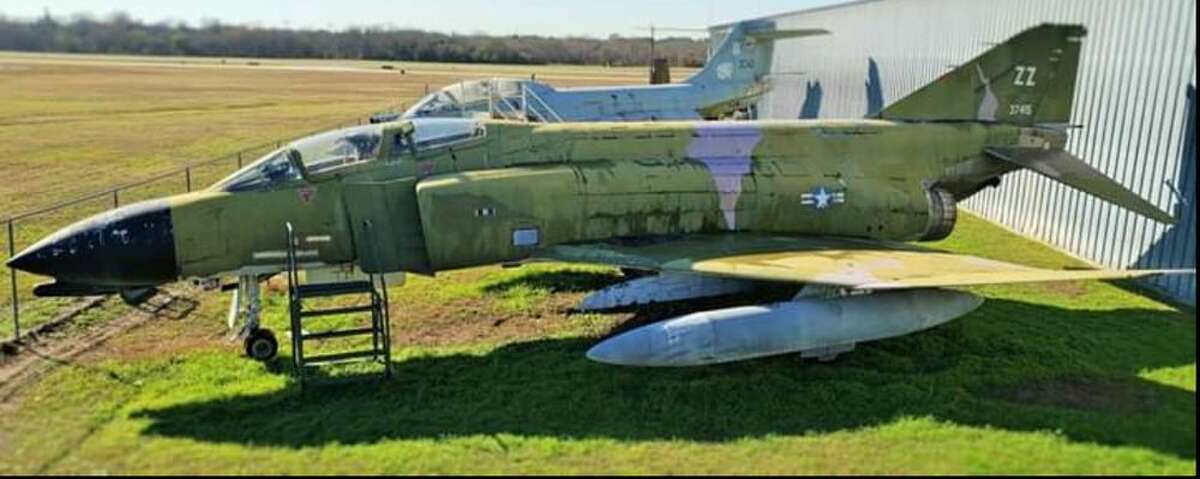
259 343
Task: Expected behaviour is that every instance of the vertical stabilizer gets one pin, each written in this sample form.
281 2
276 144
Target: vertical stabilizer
744 55
1027 80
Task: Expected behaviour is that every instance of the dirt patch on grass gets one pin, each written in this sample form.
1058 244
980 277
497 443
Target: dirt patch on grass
80 336
162 339
474 320
1070 289
1088 394
184 324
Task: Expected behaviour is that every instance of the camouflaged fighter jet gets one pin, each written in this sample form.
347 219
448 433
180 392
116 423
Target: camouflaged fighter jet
711 207
734 77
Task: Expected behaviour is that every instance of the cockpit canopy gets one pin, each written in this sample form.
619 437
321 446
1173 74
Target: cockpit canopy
493 97
335 149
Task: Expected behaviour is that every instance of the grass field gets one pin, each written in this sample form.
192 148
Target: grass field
490 374
77 124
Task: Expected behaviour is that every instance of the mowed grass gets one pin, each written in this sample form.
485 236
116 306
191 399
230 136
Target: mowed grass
491 378
71 125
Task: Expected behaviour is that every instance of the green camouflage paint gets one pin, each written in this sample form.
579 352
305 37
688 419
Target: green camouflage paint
497 191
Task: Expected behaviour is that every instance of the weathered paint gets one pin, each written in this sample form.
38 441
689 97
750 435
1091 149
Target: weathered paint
130 246
661 288
221 231
433 194
725 150
1134 98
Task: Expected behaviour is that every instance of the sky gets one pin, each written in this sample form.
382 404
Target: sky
594 18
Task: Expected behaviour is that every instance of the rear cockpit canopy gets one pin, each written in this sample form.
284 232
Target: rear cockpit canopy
429 133
336 149
471 99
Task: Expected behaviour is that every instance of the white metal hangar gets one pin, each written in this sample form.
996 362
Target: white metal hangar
1135 103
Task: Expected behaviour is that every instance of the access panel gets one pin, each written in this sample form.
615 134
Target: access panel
386 226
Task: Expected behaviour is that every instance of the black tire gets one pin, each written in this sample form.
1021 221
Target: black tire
134 297
261 345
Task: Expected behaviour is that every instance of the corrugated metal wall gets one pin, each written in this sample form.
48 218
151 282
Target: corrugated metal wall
1135 98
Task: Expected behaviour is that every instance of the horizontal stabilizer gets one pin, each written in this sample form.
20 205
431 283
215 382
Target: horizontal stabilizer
782 34
1072 171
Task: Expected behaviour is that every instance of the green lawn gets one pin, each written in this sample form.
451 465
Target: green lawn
491 378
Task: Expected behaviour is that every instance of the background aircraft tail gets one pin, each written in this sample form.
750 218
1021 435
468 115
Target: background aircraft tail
744 56
1027 80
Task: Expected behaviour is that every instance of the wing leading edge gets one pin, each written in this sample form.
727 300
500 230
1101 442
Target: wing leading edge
849 263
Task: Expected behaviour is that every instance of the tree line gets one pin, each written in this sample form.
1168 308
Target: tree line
120 34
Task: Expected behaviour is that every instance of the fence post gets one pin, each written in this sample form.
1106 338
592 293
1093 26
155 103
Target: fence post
239 160
116 199
12 276
187 172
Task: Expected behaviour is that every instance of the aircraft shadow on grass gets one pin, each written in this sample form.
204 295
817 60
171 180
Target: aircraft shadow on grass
568 281
1010 365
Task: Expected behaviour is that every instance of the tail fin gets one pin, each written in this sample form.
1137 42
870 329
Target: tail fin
1027 80
744 55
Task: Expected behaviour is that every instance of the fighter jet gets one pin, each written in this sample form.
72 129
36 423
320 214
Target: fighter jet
733 78
710 207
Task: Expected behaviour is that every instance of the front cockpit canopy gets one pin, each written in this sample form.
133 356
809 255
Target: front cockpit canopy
317 153
329 151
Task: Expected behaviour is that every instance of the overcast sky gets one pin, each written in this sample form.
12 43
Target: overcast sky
596 18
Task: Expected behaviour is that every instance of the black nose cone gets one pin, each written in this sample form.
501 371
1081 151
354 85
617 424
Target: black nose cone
130 246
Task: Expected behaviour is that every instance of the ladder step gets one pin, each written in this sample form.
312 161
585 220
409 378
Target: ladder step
341 333
334 289
333 358
333 311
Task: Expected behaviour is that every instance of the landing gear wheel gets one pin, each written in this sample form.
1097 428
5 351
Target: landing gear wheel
261 345
134 297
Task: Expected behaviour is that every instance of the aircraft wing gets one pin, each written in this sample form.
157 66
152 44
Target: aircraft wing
849 263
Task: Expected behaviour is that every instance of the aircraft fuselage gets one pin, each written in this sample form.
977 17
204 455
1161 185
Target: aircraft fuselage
463 193
518 187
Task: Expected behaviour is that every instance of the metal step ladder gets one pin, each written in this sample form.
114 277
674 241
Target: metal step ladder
375 288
